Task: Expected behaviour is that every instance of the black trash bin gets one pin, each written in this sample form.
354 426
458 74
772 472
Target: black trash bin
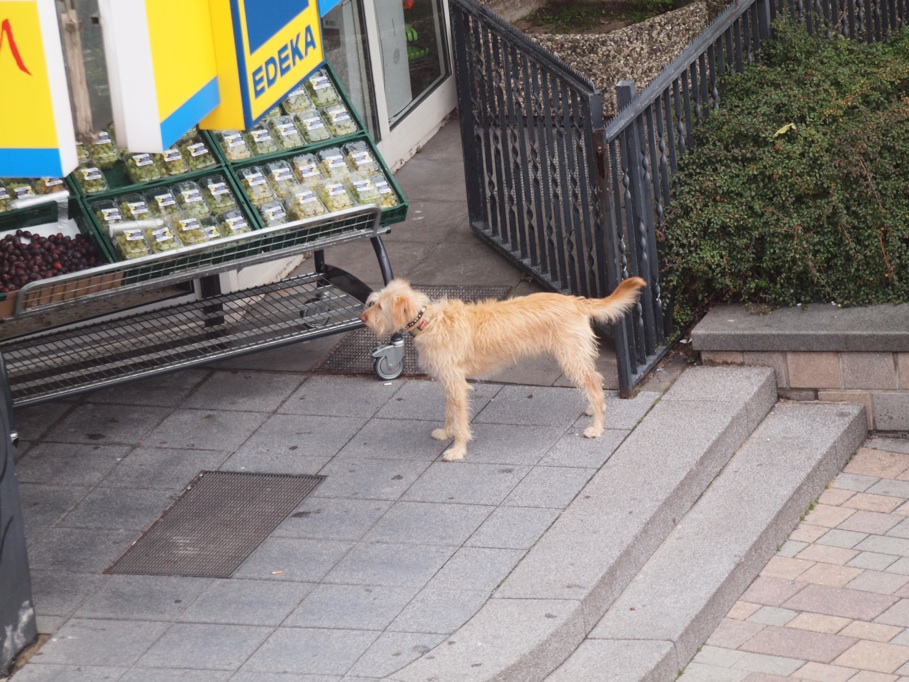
17 612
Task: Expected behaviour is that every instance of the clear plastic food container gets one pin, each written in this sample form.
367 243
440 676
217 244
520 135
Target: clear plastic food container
320 89
233 222
387 196
142 168
332 163
131 243
82 154
296 100
104 152
173 162
5 198
162 239
285 132
161 201
273 213
362 188
306 169
312 126
339 120
234 145
89 178
280 176
20 188
302 203
134 207
335 196
197 153
194 230
255 185
190 199
360 157
107 212
260 140
49 185
217 194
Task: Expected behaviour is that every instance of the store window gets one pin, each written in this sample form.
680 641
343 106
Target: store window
414 53
346 49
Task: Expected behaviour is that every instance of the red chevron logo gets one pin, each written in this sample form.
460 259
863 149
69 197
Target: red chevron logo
6 30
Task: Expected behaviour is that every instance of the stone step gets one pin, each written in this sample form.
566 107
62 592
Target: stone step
679 597
546 607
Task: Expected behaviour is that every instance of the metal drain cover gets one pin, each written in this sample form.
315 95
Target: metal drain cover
352 354
216 523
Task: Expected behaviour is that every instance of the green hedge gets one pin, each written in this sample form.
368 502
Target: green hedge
797 189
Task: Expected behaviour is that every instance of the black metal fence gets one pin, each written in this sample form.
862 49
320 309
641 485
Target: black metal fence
577 203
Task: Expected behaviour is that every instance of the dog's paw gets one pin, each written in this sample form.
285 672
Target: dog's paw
454 453
593 432
440 434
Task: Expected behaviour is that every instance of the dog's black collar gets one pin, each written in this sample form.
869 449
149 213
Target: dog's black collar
409 327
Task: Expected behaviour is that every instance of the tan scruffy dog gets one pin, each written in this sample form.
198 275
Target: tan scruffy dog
457 340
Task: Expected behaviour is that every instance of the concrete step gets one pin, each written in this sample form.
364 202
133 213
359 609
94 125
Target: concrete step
546 607
679 597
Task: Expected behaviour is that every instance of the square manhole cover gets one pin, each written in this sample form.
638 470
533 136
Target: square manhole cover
216 523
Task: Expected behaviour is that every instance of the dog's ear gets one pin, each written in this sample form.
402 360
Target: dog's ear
399 310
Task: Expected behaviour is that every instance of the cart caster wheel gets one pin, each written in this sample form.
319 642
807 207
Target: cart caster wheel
388 360
386 371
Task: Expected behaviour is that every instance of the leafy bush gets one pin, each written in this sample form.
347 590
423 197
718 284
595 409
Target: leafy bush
797 189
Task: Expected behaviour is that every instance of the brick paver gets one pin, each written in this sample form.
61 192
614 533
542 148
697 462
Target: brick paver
833 604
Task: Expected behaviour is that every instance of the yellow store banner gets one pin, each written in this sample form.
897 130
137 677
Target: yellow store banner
37 138
264 50
162 69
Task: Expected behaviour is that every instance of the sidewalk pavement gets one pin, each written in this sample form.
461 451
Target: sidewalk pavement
395 549
833 604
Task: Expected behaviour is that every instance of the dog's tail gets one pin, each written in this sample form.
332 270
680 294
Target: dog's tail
611 308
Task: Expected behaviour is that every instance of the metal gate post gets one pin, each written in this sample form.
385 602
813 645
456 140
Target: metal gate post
464 84
17 611
621 330
640 226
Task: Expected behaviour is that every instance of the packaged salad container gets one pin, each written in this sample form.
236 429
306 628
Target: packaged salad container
306 169
190 199
255 184
217 193
233 144
311 125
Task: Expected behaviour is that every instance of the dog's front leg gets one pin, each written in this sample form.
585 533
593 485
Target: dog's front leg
457 425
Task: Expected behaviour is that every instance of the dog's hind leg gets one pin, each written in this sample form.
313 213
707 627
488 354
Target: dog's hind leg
457 424
583 374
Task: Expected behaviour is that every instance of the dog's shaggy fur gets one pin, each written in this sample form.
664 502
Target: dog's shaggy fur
456 340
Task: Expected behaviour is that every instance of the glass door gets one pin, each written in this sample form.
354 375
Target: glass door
414 52
393 58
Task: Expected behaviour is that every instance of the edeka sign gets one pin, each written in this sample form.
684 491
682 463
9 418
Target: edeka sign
264 49
277 66
36 125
